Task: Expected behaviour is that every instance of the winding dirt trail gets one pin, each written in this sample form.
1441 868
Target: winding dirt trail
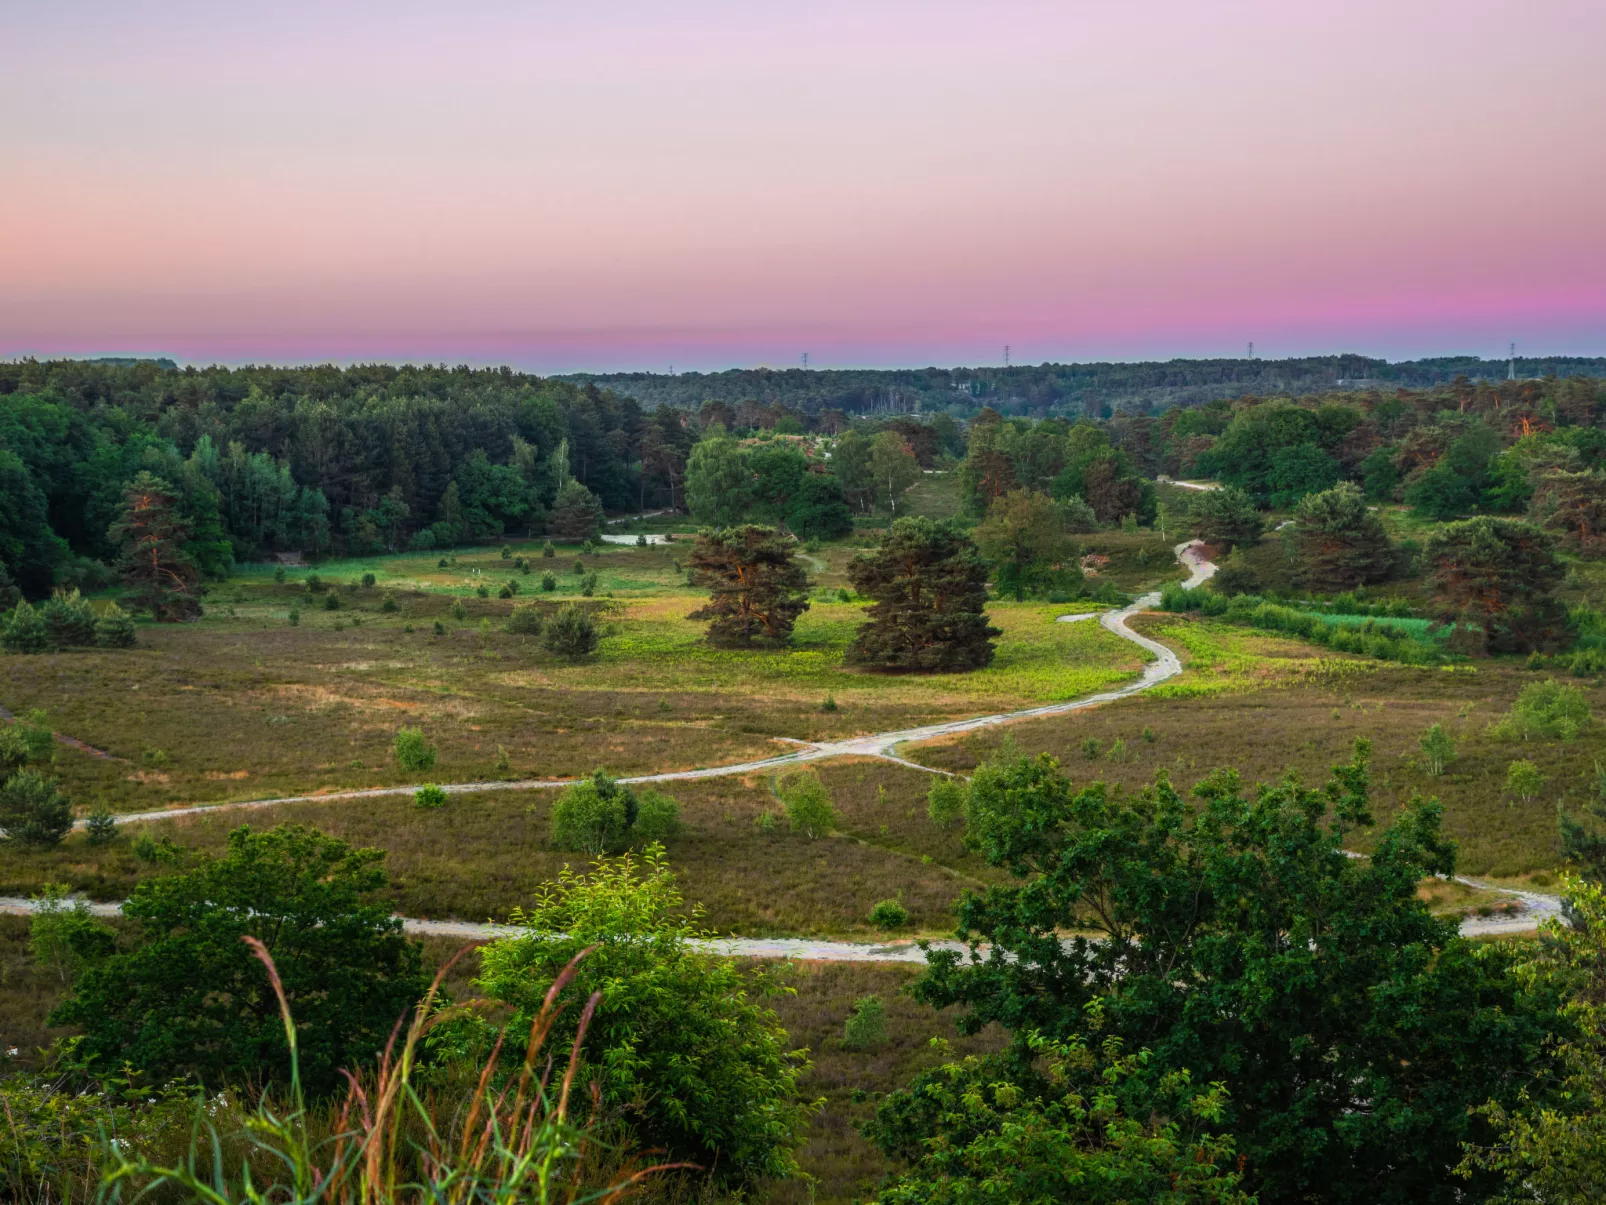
1165 665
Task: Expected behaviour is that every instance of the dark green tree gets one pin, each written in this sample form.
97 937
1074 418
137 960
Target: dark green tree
1342 544
1226 516
1352 1029
1495 577
576 513
756 588
154 565
572 633
819 510
928 592
719 484
187 997
1023 538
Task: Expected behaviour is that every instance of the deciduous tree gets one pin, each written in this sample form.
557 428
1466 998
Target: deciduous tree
1023 537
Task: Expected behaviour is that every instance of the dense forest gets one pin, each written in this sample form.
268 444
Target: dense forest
1092 389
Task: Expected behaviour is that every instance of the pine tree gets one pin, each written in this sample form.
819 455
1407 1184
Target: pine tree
928 588
154 565
576 513
1496 577
1341 544
756 590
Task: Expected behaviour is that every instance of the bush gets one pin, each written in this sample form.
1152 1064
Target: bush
945 802
65 937
429 796
548 582
114 629
294 617
1547 710
368 581
314 584
547 549
100 828
69 620
594 816
279 575
413 753
388 603
866 1026
889 914
331 601
459 611
33 812
682 1041
1524 780
24 631
657 819
506 591
483 590
572 633
526 621
808 805
588 585
507 552
1438 750
440 628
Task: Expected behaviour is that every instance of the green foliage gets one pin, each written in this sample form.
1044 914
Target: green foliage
756 588
1023 538
69 620
64 937
100 828
1235 576
1373 637
1277 452
293 618
1438 750
156 564
548 549
678 1043
24 630
526 621
572 633
657 819
719 486
1342 544
482 590
412 752
1453 485
459 611
388 603
1524 780
429 796
1495 576
866 1026
928 589
33 813
1549 1144
945 801
1236 940
549 583
588 585
1088 1125
187 997
114 629
331 601
576 513
1227 517
1548 710
595 816
889 914
808 805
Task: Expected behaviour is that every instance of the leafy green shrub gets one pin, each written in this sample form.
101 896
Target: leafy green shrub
594 816
279 575
1438 750
548 582
578 568
24 630
32 812
64 936
1090 748
507 552
368 580
459 611
315 584
440 628
829 705
548 549
114 629
526 621
331 601
1524 780
889 914
294 617
945 801
164 852
657 819
504 763
1547 710
413 753
866 1026
506 591
429 796
320 906
69 620
808 805
588 585
482 590
572 633
675 1026
641 541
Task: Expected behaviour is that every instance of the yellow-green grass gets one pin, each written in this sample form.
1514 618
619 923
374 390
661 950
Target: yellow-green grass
243 705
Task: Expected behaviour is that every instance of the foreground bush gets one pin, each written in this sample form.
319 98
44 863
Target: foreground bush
678 1044
184 997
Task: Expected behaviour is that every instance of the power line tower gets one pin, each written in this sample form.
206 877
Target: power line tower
1006 355
805 361
1511 364
1251 349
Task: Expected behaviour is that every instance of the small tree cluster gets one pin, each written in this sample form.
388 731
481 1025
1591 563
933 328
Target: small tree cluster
808 805
1342 544
1226 517
600 815
65 620
1548 710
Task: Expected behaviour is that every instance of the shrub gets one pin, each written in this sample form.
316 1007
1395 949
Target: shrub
294 617
331 601
808 805
526 621
548 582
572 633
547 549
1090 748
889 914
506 591
507 552
440 628
588 585
100 828
830 704
279 575
1547 710
681 1040
115 628
1524 780
388 603
1438 750
459 611
440 564
594 816
866 1026
314 584
578 568
65 937
641 541
32 811
657 819
413 753
188 998
482 590
504 763
429 796
69 620
945 802
24 631
368 581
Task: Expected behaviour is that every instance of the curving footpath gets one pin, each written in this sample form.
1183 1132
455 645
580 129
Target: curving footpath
1165 665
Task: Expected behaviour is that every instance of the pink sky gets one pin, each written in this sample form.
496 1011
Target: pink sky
620 184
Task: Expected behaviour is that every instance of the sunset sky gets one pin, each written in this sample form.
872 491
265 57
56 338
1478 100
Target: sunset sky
709 184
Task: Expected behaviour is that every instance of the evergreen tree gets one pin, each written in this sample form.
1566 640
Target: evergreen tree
1495 576
154 565
1341 544
756 589
928 589
576 513
1227 517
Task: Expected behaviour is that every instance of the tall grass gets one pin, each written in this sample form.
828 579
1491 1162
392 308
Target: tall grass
509 1139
